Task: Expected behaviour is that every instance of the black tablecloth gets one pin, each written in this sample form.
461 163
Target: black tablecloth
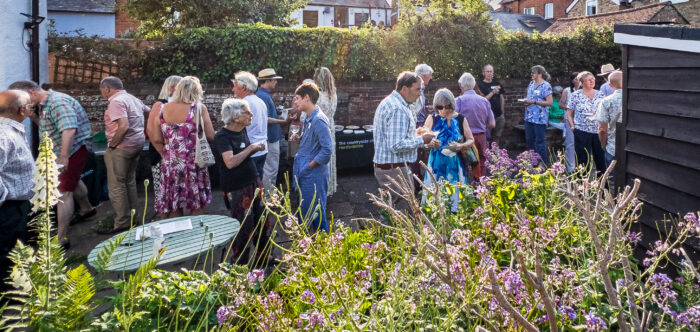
354 150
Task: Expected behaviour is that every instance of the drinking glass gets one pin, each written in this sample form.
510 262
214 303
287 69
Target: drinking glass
294 129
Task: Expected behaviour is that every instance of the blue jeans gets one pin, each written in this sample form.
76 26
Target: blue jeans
536 139
259 162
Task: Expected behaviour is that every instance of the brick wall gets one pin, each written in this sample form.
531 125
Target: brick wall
607 6
691 11
518 6
123 22
357 102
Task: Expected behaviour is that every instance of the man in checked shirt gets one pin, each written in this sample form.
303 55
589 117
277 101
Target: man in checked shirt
395 139
16 167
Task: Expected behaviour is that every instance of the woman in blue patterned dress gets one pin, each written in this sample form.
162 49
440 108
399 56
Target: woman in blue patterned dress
454 136
538 100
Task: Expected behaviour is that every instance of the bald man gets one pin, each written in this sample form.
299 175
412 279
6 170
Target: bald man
16 167
608 114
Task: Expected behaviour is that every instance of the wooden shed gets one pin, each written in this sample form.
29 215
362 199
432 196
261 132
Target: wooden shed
658 140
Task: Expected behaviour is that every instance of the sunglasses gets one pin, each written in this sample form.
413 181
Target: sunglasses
441 107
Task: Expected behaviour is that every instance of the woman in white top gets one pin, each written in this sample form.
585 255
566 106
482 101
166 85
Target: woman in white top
327 102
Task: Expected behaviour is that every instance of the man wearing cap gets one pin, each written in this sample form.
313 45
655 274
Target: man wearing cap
244 86
606 89
267 80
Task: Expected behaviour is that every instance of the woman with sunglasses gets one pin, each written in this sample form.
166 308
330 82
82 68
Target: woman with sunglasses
454 135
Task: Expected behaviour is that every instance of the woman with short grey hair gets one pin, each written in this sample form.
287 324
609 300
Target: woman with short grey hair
453 132
239 177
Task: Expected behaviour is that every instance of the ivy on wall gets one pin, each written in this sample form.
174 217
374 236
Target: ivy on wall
451 46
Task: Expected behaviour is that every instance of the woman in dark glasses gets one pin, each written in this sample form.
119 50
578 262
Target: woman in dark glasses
452 130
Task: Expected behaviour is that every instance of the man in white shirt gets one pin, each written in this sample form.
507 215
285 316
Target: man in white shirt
244 86
16 167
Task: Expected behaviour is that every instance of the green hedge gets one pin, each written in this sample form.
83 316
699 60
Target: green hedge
450 46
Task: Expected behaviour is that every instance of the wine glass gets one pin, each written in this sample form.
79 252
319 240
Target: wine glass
294 129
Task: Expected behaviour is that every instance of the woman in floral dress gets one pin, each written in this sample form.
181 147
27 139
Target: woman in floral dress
581 108
453 132
184 185
327 102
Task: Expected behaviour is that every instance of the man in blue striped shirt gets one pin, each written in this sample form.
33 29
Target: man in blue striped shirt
395 138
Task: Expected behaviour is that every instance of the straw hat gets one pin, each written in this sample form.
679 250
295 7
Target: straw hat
606 69
268 74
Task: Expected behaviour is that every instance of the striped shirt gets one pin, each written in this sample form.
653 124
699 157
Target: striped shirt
395 139
16 162
62 112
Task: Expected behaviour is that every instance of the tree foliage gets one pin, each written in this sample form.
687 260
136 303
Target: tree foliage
160 17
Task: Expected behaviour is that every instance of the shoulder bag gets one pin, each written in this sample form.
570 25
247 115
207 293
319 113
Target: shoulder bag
471 156
203 156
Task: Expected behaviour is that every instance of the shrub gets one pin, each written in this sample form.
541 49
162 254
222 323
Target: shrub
450 45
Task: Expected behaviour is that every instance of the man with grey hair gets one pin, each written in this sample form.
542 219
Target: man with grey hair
125 138
477 111
65 121
395 136
16 167
244 87
420 112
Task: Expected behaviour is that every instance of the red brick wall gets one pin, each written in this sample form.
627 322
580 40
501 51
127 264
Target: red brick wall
357 102
123 22
518 6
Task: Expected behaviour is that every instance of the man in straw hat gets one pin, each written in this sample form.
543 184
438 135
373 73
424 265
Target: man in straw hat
605 70
267 81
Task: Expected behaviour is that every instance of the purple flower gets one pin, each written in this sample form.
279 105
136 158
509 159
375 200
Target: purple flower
308 296
663 284
224 313
594 323
567 312
692 222
255 276
690 317
558 168
634 237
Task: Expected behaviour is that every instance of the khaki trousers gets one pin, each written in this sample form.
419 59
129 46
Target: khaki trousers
121 182
383 178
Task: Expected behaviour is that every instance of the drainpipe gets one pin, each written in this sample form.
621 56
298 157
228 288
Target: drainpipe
33 25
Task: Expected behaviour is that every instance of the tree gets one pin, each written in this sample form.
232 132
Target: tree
160 17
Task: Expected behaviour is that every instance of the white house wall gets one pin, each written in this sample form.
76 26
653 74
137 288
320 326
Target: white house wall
15 58
378 15
327 19
324 19
92 24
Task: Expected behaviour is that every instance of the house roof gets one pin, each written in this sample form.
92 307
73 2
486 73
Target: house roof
352 3
81 6
658 13
520 22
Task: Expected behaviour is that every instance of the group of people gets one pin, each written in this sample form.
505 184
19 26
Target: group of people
247 148
406 127
587 116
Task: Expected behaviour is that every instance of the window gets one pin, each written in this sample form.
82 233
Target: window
361 18
591 7
549 10
311 18
529 11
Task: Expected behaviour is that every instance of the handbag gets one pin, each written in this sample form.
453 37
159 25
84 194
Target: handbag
471 155
203 156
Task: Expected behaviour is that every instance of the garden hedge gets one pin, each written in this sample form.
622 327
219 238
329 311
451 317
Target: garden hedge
450 46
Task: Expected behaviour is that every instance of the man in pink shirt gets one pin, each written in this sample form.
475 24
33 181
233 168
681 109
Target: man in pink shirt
125 138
